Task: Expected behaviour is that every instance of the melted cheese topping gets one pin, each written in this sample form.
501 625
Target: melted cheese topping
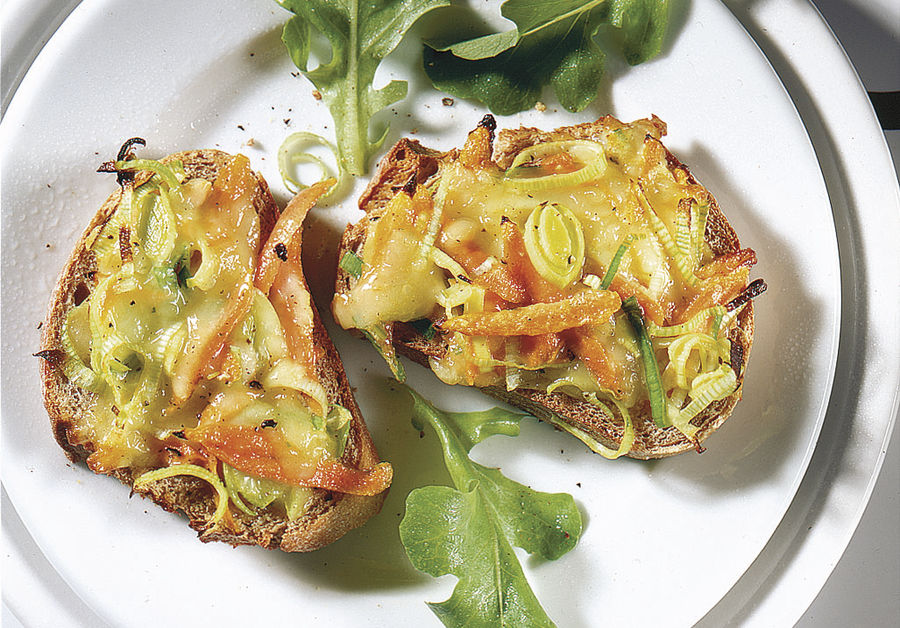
178 343
636 199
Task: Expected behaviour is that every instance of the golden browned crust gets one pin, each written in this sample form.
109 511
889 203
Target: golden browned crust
330 514
650 440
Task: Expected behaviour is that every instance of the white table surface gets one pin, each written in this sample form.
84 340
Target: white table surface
864 589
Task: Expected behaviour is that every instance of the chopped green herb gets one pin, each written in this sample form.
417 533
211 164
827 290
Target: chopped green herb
352 263
425 327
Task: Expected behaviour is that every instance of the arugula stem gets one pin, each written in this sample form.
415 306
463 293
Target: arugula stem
355 132
559 18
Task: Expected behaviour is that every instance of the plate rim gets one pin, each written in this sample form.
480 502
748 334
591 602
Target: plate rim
839 312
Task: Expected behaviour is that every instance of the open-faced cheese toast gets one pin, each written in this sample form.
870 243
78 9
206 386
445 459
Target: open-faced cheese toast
581 274
182 354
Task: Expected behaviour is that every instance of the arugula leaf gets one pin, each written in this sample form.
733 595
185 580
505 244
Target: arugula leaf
553 43
361 35
469 531
642 25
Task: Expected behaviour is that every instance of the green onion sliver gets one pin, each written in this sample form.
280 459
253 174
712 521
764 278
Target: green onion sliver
352 264
590 154
290 154
197 472
614 264
651 368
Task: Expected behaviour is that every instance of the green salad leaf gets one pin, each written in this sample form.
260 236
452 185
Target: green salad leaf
470 530
361 35
554 42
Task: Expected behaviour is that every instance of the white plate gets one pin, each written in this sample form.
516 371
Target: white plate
680 532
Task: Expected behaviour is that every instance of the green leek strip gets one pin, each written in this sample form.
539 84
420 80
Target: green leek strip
710 352
717 322
614 264
197 472
232 486
99 328
168 173
729 316
651 368
447 263
695 324
699 214
107 239
591 155
378 336
595 445
513 378
676 400
289 374
627 428
73 368
352 264
337 424
434 223
665 238
290 154
683 234
208 271
270 335
707 388
148 385
460 293
159 241
174 346
492 362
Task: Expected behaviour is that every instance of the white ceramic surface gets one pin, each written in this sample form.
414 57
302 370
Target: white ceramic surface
734 495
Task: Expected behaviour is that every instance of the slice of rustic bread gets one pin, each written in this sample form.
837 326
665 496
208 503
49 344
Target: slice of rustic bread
329 514
409 158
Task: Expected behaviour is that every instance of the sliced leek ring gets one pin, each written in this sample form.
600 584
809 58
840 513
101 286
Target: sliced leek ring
590 154
554 241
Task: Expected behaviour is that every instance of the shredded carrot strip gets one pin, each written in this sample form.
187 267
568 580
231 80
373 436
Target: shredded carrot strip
593 354
265 453
717 290
284 240
584 308
725 264
537 288
625 288
542 349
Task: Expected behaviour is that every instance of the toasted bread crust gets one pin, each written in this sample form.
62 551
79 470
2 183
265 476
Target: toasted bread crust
650 441
329 516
